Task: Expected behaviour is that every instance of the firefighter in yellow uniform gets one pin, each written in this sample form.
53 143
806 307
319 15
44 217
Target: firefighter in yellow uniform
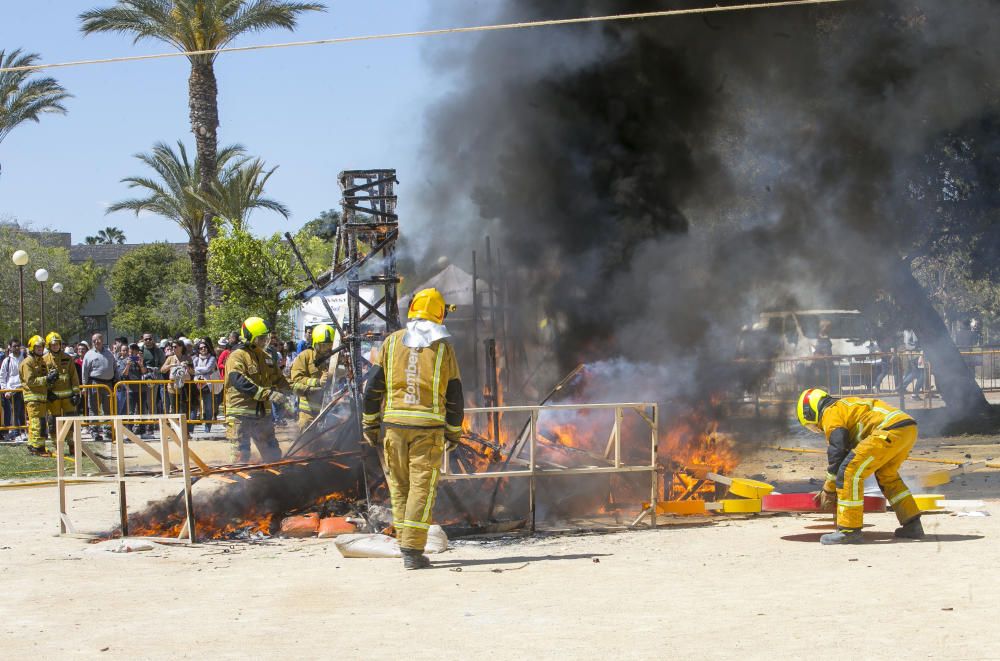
310 372
36 380
64 392
864 436
253 383
415 392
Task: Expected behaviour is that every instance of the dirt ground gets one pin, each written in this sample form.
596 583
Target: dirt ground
758 587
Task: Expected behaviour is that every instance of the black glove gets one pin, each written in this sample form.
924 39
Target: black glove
74 399
52 376
370 436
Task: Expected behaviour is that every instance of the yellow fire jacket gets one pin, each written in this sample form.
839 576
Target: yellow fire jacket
415 387
849 420
252 378
68 383
33 378
305 374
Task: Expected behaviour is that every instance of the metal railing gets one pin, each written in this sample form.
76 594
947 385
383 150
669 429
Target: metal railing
893 374
647 411
153 396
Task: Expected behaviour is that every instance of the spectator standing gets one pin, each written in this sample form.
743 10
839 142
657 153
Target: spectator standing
179 370
10 380
151 397
206 368
274 349
128 367
915 365
227 344
98 368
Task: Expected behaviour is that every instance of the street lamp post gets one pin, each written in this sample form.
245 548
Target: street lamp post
58 289
20 258
41 275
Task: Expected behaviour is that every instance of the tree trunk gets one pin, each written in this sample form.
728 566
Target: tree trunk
955 380
198 252
203 103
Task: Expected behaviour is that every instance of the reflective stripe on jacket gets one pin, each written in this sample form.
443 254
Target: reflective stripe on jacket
68 383
251 375
415 387
304 375
33 379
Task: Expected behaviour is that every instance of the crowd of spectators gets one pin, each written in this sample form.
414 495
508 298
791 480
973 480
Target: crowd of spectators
184 376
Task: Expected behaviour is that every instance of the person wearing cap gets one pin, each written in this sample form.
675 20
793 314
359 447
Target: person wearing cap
414 393
151 396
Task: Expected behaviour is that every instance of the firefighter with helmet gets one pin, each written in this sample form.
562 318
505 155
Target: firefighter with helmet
253 382
36 379
864 436
64 391
310 372
414 393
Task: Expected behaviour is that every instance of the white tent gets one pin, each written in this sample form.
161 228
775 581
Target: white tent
456 287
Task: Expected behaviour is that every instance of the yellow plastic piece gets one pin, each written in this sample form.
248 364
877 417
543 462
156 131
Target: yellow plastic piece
935 478
734 505
746 488
928 501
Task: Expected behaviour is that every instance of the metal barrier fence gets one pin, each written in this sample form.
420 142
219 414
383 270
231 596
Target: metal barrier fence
891 374
611 462
196 399
91 403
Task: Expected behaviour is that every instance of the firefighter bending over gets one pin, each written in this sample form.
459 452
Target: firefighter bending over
415 392
311 370
253 381
865 436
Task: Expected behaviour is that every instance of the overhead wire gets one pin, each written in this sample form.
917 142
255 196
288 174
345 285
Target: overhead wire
431 33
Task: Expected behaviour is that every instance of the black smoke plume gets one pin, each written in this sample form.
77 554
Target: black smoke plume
653 183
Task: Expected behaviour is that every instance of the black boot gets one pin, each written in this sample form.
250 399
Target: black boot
414 559
912 529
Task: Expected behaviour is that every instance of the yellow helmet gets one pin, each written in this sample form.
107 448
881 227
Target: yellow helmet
253 328
53 337
808 408
324 333
35 341
429 304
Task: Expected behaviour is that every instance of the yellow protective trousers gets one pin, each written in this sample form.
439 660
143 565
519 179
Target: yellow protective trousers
882 453
242 430
304 419
413 458
61 407
36 412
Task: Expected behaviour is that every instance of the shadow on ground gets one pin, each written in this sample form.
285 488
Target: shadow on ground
886 538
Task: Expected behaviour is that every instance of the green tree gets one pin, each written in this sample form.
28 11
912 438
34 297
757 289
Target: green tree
62 311
173 194
257 275
197 25
323 226
240 190
23 98
152 291
106 236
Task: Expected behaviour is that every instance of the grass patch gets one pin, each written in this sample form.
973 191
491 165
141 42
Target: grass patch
17 464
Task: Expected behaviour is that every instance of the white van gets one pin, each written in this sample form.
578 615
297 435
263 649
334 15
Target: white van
794 334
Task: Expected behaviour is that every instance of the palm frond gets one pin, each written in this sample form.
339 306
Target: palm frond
23 98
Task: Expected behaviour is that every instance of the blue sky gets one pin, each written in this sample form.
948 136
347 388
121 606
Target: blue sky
312 111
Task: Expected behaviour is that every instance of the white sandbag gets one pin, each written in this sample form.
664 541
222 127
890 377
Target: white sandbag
371 545
122 545
384 546
437 540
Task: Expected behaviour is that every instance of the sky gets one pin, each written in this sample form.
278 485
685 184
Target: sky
312 111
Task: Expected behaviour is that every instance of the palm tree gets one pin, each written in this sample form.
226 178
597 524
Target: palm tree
23 98
240 190
174 194
195 25
106 236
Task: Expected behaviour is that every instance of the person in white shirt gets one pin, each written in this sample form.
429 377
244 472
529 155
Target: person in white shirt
13 399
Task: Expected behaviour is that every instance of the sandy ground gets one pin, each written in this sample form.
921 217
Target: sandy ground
758 587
